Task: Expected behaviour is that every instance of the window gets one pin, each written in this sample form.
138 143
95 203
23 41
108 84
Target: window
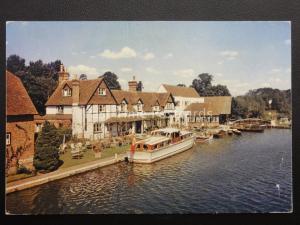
156 108
123 107
102 91
60 109
67 91
169 106
8 138
97 127
101 108
139 106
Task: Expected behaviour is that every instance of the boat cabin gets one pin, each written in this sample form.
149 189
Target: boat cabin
162 138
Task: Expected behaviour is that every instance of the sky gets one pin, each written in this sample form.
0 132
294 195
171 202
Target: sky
241 55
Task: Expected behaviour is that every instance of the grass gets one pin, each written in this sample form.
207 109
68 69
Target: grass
89 156
16 177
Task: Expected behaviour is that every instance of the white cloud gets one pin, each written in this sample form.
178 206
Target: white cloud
82 69
219 74
125 52
92 56
6 42
74 53
275 80
266 84
229 55
83 52
220 62
185 73
152 70
168 56
275 70
149 56
287 42
151 86
288 70
126 69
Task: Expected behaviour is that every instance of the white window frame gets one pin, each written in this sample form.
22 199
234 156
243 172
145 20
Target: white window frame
102 91
101 108
60 109
123 106
139 106
67 92
8 138
97 128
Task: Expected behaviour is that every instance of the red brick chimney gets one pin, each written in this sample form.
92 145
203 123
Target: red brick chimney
132 84
62 74
75 90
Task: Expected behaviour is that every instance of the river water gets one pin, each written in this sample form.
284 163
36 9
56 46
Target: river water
239 174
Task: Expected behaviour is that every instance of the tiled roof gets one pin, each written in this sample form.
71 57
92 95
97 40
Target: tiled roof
86 90
149 99
214 105
54 117
18 101
181 91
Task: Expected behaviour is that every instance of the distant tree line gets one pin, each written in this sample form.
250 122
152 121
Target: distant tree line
255 102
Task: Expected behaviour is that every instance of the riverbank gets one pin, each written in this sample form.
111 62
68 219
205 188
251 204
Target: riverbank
62 173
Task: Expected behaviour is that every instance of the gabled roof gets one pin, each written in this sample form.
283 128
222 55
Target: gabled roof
149 99
216 105
86 90
18 101
181 91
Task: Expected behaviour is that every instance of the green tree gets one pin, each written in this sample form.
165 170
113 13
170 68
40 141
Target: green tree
46 157
203 85
112 80
40 79
16 65
139 86
83 77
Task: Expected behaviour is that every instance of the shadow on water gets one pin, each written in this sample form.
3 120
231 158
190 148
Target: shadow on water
248 173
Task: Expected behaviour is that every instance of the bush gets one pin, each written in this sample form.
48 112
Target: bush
23 169
46 156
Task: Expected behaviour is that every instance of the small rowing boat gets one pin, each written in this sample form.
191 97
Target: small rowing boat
203 139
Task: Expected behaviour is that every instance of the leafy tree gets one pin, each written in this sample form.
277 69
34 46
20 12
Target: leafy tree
46 157
40 79
140 86
181 85
83 77
16 65
112 80
203 85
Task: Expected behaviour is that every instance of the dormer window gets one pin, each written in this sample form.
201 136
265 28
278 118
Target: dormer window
139 106
156 108
67 91
123 106
60 109
102 91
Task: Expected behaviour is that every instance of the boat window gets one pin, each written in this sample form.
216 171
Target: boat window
145 147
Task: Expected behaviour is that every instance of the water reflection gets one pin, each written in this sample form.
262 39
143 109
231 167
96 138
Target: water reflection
234 174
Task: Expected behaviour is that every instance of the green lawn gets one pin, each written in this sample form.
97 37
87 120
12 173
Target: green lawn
89 156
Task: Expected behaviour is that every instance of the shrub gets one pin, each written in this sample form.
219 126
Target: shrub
23 169
46 156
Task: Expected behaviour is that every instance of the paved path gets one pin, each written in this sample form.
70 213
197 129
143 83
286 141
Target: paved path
61 173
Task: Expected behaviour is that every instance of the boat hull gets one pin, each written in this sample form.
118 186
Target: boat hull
172 149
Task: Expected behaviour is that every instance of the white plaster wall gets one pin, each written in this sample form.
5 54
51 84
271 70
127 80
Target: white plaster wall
53 110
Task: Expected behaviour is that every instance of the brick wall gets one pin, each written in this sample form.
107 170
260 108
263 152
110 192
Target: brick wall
21 129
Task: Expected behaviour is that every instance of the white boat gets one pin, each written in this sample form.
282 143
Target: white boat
163 143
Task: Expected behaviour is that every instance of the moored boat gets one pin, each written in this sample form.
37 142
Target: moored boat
163 143
203 139
236 131
220 134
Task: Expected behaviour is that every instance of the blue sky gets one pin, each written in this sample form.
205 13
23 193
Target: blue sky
241 55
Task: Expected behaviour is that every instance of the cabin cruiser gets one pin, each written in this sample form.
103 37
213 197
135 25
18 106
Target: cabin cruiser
161 144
